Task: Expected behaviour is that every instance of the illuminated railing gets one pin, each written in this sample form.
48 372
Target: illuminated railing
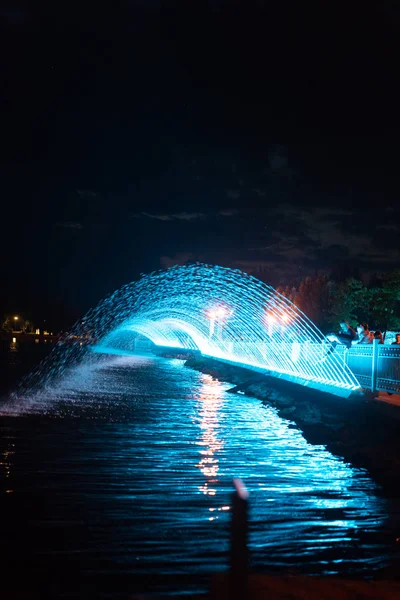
376 366
312 361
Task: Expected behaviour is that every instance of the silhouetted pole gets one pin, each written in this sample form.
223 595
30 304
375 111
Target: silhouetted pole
374 370
239 551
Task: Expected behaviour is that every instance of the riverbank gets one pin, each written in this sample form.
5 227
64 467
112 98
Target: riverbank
270 587
360 429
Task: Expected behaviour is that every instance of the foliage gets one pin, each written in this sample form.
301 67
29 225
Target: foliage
288 291
313 298
9 324
27 326
328 303
385 302
350 302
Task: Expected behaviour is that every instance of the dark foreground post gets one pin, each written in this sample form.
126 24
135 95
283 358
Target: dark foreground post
239 551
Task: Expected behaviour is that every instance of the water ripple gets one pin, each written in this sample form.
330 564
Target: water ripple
127 467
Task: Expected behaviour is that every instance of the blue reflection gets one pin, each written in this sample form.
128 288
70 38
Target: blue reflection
154 446
210 402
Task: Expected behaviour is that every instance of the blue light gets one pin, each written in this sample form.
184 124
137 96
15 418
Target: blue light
232 316
223 313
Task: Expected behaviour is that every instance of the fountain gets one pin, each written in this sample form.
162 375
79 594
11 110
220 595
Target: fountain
221 312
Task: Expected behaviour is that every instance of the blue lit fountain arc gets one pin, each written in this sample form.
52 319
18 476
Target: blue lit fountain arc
223 313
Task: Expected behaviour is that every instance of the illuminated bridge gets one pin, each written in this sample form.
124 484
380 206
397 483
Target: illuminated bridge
225 314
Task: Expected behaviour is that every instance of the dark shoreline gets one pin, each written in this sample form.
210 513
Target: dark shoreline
359 429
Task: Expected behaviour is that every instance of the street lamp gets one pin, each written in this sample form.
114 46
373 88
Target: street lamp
212 315
284 322
271 320
16 319
221 314
216 315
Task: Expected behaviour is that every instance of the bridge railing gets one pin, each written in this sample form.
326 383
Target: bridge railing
307 351
376 366
308 360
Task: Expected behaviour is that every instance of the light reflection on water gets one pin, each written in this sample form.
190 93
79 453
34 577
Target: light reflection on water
209 405
127 467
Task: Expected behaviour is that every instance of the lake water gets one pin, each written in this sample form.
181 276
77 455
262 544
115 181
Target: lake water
119 480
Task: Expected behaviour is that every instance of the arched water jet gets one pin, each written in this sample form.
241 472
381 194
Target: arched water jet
223 313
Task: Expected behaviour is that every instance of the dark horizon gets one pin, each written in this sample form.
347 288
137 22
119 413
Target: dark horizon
262 138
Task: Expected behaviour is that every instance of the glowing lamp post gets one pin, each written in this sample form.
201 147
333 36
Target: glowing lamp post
271 321
214 316
221 314
15 321
284 321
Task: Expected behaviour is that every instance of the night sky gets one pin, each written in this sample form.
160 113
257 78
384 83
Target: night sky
141 134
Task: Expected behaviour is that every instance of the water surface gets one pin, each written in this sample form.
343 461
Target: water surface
119 480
